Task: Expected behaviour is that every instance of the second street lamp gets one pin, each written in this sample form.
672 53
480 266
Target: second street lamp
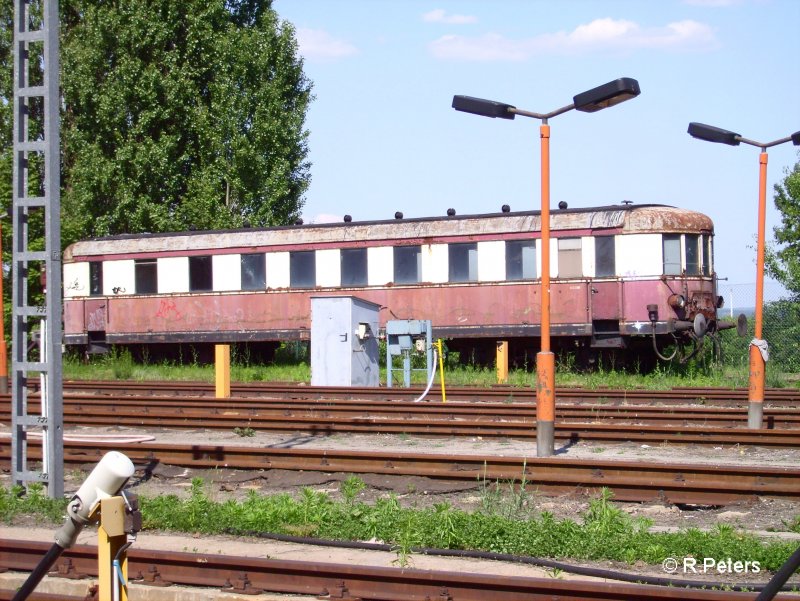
590 101
709 133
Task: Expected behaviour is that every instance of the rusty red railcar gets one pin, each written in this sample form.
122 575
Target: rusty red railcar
624 277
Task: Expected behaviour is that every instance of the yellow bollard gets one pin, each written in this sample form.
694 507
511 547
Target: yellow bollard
441 368
502 362
222 365
111 541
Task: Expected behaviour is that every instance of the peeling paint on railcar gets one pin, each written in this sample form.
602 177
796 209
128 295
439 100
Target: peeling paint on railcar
667 219
634 218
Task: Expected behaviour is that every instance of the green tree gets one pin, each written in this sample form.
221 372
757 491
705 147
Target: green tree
783 263
180 114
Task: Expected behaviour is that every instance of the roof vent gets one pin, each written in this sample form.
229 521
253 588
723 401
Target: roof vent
627 202
348 218
505 209
562 205
451 212
398 215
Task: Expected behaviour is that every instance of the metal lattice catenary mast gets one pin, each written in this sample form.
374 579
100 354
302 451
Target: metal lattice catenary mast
37 199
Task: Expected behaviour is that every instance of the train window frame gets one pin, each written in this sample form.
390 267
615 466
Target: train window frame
707 266
253 268
462 262
692 254
605 263
407 264
570 257
302 269
670 245
201 273
95 278
145 276
354 267
521 256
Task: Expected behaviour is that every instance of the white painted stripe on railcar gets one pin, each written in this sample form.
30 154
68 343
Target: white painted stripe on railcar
492 261
380 265
329 268
278 270
76 279
119 276
226 271
173 275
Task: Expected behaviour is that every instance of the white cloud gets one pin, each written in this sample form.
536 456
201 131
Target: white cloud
319 44
439 15
598 36
326 218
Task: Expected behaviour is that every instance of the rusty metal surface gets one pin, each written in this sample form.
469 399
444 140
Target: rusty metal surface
350 582
642 425
629 481
643 218
666 219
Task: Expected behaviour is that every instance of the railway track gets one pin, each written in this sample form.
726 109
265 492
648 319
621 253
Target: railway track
643 424
341 581
629 481
679 396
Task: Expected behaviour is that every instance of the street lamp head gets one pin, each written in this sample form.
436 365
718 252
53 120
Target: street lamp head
484 108
709 133
607 95
796 138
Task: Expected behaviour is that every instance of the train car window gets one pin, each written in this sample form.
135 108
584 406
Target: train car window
302 269
604 251
200 277
146 274
354 266
520 259
672 254
463 262
95 278
570 263
706 254
407 264
692 244
254 271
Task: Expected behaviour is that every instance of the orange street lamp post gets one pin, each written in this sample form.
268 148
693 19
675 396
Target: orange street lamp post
590 101
755 412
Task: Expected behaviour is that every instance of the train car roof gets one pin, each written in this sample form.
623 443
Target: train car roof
628 218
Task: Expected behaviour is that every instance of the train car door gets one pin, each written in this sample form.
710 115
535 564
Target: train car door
604 298
95 318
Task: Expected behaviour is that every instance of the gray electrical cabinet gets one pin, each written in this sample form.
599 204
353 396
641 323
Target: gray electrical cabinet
344 344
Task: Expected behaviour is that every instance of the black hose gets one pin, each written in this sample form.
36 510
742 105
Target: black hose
536 561
655 347
39 572
781 576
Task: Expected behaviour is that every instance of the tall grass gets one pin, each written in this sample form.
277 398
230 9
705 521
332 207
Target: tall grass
291 365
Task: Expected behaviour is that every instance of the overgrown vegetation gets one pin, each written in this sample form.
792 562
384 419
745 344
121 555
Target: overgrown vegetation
603 532
291 364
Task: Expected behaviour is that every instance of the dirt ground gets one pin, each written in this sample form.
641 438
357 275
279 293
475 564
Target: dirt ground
768 517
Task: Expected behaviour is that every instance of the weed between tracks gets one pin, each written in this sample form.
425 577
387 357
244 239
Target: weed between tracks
603 532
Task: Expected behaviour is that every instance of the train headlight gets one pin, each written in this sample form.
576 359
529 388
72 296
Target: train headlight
677 301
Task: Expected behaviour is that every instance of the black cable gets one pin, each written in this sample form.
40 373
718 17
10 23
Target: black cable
781 576
537 561
39 572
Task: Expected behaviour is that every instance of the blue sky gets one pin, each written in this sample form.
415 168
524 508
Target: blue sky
384 138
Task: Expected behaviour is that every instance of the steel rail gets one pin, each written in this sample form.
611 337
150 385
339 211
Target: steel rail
467 393
628 480
493 411
322 423
346 581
